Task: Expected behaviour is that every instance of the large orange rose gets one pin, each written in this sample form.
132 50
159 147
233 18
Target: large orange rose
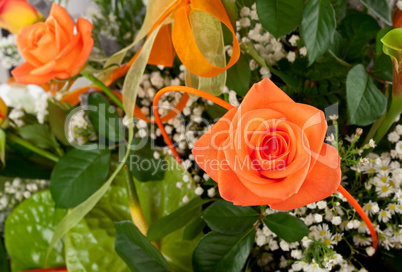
51 49
16 14
270 151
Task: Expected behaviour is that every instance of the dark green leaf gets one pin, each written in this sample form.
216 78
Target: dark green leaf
104 118
318 27
379 8
175 220
230 6
194 228
91 241
32 170
224 217
78 175
40 135
218 252
134 248
57 119
141 161
365 102
358 30
340 9
286 226
239 77
383 67
4 265
28 231
280 17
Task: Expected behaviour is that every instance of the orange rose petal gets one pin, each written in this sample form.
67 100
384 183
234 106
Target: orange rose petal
61 15
311 120
261 94
231 189
322 181
46 49
44 69
73 44
206 149
84 28
22 75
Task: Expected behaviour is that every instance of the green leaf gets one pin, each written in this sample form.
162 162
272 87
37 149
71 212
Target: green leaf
175 220
239 76
383 67
141 162
358 30
40 135
286 226
32 170
379 36
231 9
318 27
224 217
28 231
78 175
161 198
4 265
340 7
392 43
365 102
280 17
220 252
104 118
194 228
57 119
379 8
136 250
91 241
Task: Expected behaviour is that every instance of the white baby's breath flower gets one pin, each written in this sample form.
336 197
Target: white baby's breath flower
393 137
303 51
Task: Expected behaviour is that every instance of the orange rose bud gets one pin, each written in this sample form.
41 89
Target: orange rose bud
52 50
3 111
270 151
16 14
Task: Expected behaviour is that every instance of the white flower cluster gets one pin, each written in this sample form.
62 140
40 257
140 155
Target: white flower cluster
9 55
271 49
16 190
80 129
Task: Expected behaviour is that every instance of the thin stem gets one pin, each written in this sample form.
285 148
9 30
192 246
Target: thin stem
105 89
361 212
17 140
394 110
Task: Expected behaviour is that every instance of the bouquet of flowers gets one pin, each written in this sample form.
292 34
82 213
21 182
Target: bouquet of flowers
202 135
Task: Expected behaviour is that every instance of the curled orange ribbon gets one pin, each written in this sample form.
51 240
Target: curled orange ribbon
228 106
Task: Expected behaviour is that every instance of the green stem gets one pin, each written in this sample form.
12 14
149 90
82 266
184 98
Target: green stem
17 140
105 89
374 128
394 111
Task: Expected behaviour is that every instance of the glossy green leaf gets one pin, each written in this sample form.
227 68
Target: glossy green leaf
280 17
57 120
78 175
379 8
104 118
194 228
175 220
28 231
231 9
318 27
40 135
136 250
218 252
4 265
76 214
161 198
92 240
286 226
224 217
365 102
358 30
141 162
239 76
